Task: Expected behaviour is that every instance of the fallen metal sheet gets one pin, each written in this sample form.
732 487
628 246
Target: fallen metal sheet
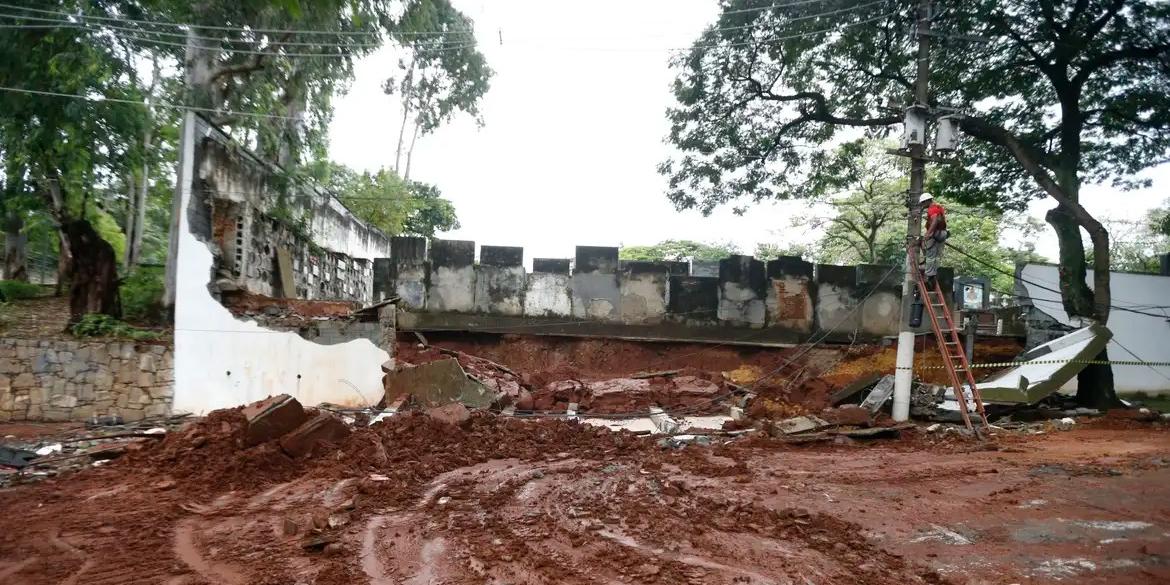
437 383
801 424
1056 362
879 395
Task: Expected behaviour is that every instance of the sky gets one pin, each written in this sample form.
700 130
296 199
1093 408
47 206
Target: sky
573 132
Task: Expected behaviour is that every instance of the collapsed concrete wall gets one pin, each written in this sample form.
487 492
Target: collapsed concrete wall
223 361
262 227
783 301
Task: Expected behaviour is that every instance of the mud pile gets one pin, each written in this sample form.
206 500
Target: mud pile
491 499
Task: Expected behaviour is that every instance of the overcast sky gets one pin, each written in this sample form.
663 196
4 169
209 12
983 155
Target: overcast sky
574 127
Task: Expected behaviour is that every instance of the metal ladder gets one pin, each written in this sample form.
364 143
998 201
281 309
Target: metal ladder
951 348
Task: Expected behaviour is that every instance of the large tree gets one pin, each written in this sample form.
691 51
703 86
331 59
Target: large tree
68 153
1052 93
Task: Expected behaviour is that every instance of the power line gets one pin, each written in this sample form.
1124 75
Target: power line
1042 287
774 39
100 99
212 27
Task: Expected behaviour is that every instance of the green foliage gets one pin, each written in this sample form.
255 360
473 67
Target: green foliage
99 325
1135 246
15 290
446 74
762 90
677 250
772 251
142 293
384 200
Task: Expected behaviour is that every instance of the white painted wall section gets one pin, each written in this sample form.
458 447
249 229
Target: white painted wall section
1146 336
222 362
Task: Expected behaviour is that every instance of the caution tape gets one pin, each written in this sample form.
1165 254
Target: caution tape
1039 362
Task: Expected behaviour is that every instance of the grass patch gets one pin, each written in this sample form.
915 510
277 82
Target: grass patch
15 290
99 325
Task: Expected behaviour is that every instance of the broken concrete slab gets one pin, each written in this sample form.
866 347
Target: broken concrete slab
879 395
272 418
801 424
1049 367
857 387
437 383
322 427
453 414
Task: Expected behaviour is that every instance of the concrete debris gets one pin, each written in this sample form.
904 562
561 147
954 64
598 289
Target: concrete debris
801 424
879 395
662 421
324 427
453 414
680 441
862 384
435 384
1064 424
49 449
272 418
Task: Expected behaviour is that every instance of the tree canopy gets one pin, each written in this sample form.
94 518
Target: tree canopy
390 203
677 250
1052 94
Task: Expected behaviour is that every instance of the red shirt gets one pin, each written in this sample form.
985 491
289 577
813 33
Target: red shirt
936 210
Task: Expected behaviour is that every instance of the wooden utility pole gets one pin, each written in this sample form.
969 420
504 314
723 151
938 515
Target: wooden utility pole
904 374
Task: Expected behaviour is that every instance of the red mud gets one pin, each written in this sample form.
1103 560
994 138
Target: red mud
497 499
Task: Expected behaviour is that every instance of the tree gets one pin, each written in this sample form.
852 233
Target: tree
443 76
679 250
393 205
65 152
1052 94
1137 245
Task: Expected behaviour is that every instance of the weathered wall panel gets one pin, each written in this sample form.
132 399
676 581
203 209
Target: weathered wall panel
500 281
643 287
452 286
742 291
547 295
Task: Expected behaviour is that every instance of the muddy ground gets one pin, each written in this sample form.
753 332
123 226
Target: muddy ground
503 500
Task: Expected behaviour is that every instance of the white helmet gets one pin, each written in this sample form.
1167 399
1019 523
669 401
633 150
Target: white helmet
924 197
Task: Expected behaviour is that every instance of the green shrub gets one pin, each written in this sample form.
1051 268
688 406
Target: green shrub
142 293
15 290
99 325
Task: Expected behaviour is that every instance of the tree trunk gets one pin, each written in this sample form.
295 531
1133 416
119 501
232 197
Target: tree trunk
64 262
1095 387
93 273
15 242
406 90
131 218
410 152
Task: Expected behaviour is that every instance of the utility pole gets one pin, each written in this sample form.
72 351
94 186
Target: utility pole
903 375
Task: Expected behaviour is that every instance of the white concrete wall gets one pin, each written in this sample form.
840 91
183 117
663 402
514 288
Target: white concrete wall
547 295
1146 336
221 361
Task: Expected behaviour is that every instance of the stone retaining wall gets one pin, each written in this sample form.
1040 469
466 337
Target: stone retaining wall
62 380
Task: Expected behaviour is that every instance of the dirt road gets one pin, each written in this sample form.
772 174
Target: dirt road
414 501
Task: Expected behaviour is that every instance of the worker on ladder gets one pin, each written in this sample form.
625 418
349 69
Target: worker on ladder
933 237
